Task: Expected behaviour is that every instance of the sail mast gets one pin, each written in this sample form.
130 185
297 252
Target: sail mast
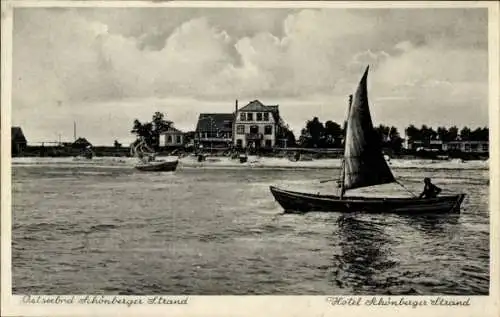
342 190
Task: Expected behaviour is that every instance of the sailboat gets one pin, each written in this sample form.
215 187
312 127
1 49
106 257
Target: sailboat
147 160
363 166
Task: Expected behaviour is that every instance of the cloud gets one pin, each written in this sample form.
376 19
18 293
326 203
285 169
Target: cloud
84 64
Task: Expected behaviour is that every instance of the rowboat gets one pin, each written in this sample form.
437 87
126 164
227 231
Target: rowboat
147 161
364 165
303 202
158 166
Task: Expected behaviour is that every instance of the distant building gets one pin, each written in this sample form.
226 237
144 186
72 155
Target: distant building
467 146
81 143
18 141
172 138
256 125
457 145
214 130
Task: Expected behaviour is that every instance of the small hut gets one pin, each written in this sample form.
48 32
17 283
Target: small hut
18 141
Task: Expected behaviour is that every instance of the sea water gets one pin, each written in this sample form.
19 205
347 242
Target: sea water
104 228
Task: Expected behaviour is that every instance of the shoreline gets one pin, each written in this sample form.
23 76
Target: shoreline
253 163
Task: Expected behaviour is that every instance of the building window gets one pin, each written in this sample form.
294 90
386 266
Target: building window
268 129
169 139
254 129
259 116
269 143
179 141
243 116
266 116
239 143
485 148
250 116
240 129
467 147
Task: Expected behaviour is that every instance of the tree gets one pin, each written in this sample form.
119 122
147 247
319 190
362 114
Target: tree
333 133
151 131
389 137
427 134
413 133
316 130
142 130
465 134
137 128
393 133
452 133
442 133
395 140
304 138
159 122
159 125
480 134
382 132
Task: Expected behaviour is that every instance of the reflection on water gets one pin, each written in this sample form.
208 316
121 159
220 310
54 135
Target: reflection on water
364 253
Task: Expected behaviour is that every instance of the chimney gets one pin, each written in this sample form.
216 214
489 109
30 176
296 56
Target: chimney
236 106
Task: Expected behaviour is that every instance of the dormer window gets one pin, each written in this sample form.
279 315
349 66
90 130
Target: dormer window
250 116
259 116
243 116
266 116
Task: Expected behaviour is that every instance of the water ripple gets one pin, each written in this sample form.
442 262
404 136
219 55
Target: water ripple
212 232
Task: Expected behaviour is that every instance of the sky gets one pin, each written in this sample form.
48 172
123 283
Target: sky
105 67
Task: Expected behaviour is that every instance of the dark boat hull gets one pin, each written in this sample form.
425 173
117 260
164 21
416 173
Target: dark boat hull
163 166
304 202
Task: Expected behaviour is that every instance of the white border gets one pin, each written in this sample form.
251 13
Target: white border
250 305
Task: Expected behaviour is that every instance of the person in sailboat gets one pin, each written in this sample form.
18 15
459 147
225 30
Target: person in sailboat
430 190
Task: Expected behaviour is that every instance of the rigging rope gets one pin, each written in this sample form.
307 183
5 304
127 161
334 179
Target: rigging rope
397 182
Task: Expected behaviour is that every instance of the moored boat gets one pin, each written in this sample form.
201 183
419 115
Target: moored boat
243 158
158 166
147 160
364 165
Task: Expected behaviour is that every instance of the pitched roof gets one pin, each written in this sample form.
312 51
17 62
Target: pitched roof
17 135
257 106
82 141
215 121
171 129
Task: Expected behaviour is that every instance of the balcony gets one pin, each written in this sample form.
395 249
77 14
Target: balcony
214 139
254 136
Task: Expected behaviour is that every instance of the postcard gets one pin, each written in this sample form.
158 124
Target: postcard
281 158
